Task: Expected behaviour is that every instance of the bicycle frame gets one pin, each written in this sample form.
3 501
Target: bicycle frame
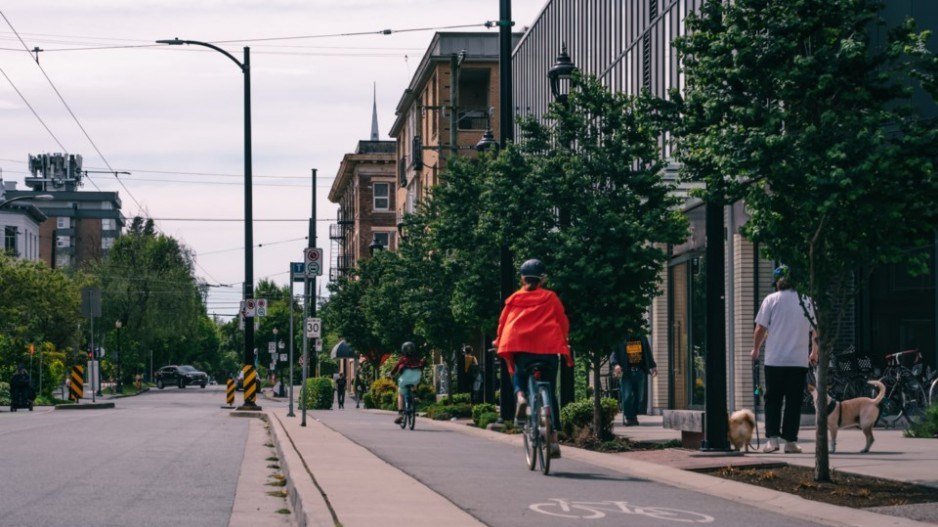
539 424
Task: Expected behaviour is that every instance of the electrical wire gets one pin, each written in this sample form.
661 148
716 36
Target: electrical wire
33 110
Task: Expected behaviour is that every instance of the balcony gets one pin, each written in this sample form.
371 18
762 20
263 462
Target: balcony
475 118
337 231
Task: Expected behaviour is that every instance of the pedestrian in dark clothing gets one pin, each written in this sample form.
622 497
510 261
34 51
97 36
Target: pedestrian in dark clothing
340 384
359 390
631 361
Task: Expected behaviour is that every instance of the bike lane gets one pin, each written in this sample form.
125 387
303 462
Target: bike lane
485 475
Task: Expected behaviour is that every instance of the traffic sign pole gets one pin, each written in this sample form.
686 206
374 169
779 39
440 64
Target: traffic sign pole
290 404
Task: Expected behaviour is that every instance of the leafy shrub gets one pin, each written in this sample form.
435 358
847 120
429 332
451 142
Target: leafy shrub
441 411
576 419
457 398
384 394
928 427
5 394
482 408
425 395
368 400
319 393
486 419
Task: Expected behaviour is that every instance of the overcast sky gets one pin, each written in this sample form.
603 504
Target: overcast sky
172 116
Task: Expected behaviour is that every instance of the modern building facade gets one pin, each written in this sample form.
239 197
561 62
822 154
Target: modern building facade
81 225
628 46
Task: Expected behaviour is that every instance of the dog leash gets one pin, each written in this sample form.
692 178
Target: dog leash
757 393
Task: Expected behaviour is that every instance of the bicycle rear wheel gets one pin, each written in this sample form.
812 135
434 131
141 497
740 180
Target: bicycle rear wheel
890 409
913 396
411 417
545 427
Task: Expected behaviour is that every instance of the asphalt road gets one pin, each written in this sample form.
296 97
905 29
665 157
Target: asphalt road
490 481
166 457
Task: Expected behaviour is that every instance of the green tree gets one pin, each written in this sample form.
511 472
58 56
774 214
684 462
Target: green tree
38 306
596 209
792 106
148 283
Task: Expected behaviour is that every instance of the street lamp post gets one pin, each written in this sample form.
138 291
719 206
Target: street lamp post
375 246
245 67
117 325
560 76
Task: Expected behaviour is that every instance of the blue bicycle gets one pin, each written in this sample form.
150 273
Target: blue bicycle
539 425
410 410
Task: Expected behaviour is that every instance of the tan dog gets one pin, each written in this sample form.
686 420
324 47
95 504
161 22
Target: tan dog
861 412
741 425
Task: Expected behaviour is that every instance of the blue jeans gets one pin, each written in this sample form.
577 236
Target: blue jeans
520 379
631 388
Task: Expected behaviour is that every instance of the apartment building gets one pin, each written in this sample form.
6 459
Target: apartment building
19 225
81 225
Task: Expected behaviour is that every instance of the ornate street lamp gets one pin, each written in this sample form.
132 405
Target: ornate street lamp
375 246
487 142
561 74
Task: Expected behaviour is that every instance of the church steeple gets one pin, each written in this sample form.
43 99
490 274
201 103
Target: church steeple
374 115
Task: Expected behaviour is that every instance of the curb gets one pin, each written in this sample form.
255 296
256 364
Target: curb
86 406
304 493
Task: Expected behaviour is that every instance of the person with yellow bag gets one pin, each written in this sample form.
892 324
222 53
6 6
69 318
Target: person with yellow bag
631 362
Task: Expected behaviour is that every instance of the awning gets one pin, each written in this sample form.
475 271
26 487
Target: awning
343 350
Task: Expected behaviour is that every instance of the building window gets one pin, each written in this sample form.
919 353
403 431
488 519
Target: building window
384 238
382 195
63 223
108 224
62 241
9 240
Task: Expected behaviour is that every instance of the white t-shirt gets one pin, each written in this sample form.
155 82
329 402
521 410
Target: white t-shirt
789 331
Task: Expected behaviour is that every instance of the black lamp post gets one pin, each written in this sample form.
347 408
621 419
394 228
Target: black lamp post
560 76
245 68
487 142
120 386
375 246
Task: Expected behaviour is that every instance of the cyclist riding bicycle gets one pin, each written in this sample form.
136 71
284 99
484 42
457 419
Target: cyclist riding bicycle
534 328
410 367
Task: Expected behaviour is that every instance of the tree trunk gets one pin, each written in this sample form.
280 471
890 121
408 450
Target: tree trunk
597 400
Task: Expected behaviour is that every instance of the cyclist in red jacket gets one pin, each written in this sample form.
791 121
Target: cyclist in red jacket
534 327
410 367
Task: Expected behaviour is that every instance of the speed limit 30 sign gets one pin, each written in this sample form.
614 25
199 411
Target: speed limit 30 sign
313 327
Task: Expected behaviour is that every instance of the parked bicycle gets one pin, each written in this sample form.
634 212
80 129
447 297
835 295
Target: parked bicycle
905 394
410 409
539 424
849 374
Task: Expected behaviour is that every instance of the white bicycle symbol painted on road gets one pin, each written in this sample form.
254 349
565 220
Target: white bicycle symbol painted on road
591 510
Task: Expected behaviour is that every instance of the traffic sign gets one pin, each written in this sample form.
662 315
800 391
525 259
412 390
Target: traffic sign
313 328
271 347
318 345
298 271
314 269
312 254
249 307
283 357
262 307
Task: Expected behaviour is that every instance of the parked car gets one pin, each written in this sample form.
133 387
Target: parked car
181 376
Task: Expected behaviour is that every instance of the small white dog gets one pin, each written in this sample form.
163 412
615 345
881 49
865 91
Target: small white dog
861 412
741 425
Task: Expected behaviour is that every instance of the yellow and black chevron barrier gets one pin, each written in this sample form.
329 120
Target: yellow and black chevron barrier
76 383
230 393
250 385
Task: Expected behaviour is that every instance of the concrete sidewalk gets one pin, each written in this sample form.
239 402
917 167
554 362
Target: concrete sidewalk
329 474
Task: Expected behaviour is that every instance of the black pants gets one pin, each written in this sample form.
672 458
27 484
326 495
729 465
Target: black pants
784 385
340 395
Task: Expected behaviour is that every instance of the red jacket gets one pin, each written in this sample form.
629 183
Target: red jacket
533 322
408 362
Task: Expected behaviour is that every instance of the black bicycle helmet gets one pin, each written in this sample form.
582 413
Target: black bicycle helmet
533 268
408 348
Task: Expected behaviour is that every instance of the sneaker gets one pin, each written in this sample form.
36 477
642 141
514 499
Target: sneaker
632 422
399 420
554 451
771 445
521 412
791 447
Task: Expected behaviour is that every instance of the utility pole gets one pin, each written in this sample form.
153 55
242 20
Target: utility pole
311 243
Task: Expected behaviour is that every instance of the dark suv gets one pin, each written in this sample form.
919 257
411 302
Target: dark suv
181 376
